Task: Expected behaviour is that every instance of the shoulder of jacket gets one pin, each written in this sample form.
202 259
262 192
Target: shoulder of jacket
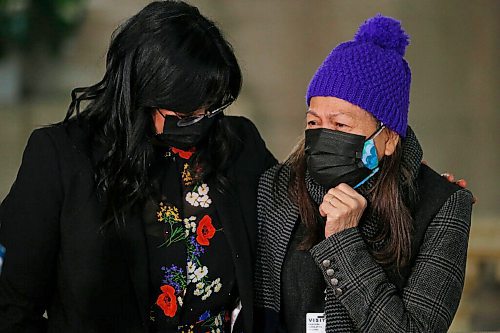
51 134
275 180
243 126
462 199
432 183
239 121
67 138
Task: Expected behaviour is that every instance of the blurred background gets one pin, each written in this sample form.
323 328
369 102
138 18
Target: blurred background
48 47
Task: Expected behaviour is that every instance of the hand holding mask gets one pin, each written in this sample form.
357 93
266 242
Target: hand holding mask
343 207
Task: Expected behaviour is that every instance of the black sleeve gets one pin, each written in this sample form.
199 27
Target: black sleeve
29 220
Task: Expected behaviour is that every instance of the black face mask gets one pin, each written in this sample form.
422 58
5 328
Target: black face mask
335 157
184 137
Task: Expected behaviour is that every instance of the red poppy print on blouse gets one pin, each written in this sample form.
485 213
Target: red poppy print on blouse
185 154
167 300
205 231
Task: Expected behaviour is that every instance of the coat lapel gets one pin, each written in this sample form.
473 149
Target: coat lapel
229 211
135 248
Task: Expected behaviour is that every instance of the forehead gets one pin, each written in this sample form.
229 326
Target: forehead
333 106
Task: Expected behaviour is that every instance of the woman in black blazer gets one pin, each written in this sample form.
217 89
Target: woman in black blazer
138 213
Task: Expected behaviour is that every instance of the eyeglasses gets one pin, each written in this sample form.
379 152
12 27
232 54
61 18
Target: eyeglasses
187 120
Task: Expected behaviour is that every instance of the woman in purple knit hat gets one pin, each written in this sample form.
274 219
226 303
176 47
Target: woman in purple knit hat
355 233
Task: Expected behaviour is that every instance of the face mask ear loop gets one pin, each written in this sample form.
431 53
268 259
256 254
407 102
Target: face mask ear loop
367 177
377 132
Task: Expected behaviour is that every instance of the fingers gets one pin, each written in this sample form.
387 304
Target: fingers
322 211
348 196
337 197
449 177
332 204
343 207
462 183
343 198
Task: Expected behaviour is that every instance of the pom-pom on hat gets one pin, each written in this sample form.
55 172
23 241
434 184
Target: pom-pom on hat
370 72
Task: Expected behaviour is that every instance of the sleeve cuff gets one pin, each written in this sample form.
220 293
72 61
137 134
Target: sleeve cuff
333 256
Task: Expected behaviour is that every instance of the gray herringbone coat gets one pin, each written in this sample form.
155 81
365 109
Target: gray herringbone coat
359 295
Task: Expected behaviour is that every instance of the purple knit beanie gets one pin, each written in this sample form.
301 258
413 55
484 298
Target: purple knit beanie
370 72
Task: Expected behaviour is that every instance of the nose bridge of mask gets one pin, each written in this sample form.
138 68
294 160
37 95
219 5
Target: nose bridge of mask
327 141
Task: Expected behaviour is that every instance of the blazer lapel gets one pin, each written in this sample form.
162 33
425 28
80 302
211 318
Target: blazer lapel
134 245
228 208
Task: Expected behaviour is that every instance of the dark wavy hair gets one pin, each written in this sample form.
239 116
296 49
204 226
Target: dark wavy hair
167 56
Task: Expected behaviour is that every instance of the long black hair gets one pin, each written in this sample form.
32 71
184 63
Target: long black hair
167 56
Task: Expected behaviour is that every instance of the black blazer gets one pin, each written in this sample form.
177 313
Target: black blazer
58 261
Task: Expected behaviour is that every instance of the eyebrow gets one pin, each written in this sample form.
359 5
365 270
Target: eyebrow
331 114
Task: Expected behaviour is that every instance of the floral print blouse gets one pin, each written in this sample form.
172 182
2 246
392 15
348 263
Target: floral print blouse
193 285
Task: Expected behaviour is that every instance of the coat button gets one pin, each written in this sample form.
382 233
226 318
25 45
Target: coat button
334 282
326 263
337 292
330 272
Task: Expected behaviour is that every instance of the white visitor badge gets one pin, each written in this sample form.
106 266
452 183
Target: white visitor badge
315 323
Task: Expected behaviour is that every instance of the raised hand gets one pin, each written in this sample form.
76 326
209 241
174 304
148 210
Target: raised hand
343 207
